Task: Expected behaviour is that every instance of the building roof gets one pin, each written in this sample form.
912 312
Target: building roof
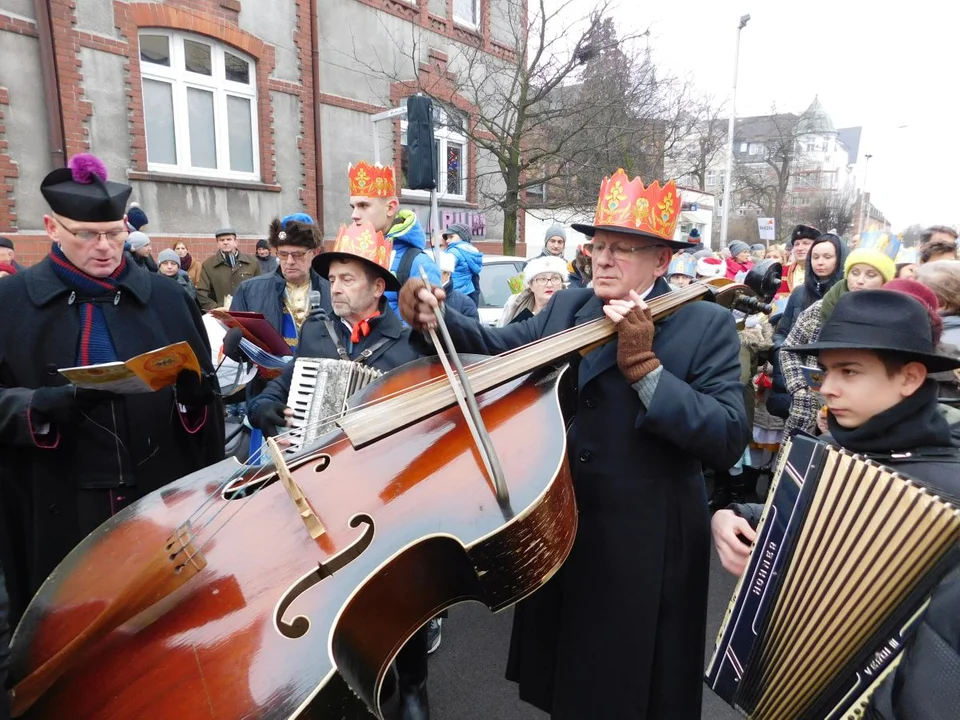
763 127
850 137
815 120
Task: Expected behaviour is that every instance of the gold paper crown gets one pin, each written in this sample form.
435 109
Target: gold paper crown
365 242
628 206
368 180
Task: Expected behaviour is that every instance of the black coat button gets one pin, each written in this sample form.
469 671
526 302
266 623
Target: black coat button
590 403
51 369
54 509
586 456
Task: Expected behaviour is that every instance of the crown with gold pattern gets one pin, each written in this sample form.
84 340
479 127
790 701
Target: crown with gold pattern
360 241
367 180
627 206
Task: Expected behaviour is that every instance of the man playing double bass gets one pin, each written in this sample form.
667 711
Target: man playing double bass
619 632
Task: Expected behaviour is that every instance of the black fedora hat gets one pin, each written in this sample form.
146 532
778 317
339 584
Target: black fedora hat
883 320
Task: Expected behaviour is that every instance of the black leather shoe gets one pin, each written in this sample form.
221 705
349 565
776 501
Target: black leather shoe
414 704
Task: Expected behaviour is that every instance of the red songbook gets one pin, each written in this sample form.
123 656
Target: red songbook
256 329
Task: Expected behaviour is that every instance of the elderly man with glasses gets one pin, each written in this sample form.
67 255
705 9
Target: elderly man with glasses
619 631
71 458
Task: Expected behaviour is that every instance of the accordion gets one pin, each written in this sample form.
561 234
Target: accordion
319 390
846 556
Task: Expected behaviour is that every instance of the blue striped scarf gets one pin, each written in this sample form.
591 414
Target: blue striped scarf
95 345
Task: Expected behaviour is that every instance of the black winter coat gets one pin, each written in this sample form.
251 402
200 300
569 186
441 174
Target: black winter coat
461 302
264 294
56 489
315 342
619 631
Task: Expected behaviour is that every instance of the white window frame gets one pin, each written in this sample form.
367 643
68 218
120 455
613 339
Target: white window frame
442 134
473 22
712 177
180 79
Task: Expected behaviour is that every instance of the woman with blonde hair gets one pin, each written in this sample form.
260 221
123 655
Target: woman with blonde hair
778 253
542 277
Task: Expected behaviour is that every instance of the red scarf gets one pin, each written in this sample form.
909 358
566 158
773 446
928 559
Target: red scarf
362 328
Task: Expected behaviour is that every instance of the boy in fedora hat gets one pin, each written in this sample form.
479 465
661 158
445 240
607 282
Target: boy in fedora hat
878 349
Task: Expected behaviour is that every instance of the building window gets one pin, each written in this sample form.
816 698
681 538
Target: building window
467 12
451 152
756 148
743 147
711 178
199 106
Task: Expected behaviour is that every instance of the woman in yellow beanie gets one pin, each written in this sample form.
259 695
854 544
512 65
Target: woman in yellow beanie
868 267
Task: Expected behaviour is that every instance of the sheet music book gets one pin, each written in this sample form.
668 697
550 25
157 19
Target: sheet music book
144 373
256 329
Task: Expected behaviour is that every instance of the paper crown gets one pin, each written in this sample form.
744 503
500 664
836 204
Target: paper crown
880 240
907 256
627 206
368 180
683 265
364 242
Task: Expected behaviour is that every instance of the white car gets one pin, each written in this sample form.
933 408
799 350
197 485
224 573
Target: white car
494 285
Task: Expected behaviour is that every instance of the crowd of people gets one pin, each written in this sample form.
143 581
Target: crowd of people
705 390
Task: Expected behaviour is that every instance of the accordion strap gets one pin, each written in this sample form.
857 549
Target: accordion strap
342 351
920 454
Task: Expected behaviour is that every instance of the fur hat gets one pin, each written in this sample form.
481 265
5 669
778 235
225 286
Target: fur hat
291 231
710 267
803 232
545 264
168 255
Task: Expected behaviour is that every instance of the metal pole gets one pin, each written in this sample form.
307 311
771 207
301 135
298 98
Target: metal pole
864 210
725 217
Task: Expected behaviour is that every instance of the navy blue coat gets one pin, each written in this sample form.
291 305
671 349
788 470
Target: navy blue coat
619 631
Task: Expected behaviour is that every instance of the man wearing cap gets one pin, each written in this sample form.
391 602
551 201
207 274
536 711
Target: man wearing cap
71 458
8 253
619 631
268 263
466 275
373 199
223 272
362 329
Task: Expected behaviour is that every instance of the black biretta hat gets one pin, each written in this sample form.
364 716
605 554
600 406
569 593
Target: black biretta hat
881 320
82 192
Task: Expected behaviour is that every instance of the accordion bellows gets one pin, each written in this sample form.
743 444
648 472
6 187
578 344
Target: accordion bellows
319 390
846 556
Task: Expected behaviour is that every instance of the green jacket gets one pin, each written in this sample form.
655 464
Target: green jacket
218 279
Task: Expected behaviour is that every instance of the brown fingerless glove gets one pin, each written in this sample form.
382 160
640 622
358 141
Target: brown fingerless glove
635 345
407 300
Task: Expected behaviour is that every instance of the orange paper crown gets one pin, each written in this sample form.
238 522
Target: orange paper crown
628 206
368 180
364 242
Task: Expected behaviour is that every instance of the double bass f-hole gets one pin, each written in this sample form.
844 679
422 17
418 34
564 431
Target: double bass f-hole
299 625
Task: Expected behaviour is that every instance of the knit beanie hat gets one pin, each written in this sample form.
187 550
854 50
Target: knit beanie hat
168 255
737 247
927 298
555 230
710 267
460 230
136 217
875 259
138 240
545 264
262 243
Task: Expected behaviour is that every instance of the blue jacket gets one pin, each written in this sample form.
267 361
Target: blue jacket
469 263
407 235
461 302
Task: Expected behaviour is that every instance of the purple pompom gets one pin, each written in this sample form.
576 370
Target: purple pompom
84 166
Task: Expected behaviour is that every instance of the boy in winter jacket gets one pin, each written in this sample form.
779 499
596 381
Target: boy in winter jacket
878 351
466 275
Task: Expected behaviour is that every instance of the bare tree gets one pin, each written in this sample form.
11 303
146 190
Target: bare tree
833 210
575 102
701 136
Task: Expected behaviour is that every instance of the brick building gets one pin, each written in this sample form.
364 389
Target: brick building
191 101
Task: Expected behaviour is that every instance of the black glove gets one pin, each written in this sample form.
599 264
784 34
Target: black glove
193 390
63 403
269 417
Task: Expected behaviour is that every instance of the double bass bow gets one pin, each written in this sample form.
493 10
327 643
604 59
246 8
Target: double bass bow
285 590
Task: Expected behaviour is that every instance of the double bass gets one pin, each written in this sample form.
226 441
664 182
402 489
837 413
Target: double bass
285 590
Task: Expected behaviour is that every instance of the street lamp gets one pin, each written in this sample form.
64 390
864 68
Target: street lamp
864 208
744 19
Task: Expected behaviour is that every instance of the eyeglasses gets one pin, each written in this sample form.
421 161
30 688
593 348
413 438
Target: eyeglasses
296 254
91 235
619 251
547 280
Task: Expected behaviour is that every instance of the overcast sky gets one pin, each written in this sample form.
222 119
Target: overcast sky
880 69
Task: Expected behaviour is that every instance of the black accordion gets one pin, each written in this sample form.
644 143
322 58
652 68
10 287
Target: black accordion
847 554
